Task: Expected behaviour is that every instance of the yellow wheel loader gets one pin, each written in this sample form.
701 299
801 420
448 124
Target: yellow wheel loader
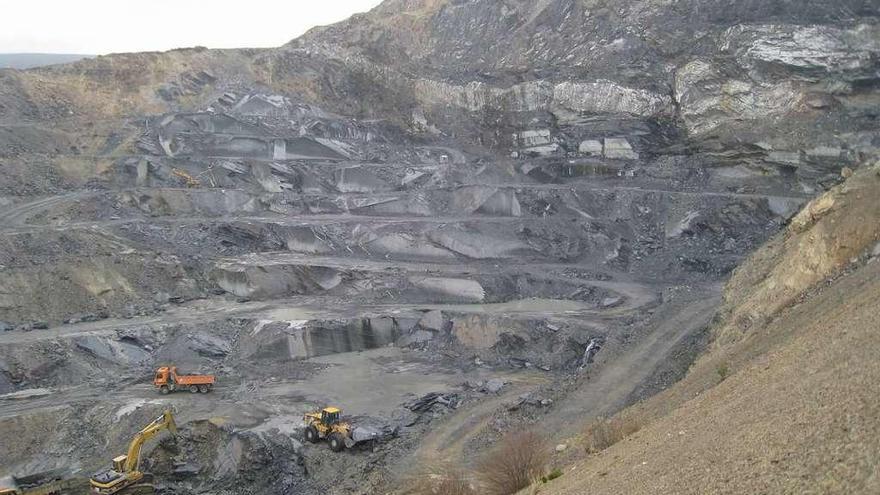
125 471
326 424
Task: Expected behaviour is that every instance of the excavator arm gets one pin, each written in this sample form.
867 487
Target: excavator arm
125 470
187 178
163 422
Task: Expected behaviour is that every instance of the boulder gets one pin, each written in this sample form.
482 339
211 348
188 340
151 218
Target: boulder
486 200
372 432
405 323
815 210
456 288
433 320
791 158
427 401
590 147
610 302
359 180
208 345
619 149
531 138
111 350
545 150
824 152
474 384
494 385
420 336
6 385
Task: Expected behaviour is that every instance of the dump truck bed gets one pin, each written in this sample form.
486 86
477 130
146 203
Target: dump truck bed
195 379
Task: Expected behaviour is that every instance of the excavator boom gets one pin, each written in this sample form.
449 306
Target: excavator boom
163 422
125 470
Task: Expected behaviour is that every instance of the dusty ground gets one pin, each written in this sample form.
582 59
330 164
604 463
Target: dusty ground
786 407
797 416
391 207
302 299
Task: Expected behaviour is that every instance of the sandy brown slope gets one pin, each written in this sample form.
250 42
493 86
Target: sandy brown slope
800 418
800 411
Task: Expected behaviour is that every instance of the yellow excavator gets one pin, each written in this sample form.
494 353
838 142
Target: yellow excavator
185 176
125 472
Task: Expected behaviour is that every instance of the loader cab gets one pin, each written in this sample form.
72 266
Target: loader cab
330 415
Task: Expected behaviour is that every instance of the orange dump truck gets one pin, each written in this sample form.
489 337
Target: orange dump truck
168 380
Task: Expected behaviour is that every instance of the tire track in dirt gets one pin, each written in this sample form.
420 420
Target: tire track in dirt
609 387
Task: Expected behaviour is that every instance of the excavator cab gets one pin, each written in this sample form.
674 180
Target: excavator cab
125 470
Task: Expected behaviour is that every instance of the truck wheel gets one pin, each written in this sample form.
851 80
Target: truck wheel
203 389
193 389
164 390
337 444
312 434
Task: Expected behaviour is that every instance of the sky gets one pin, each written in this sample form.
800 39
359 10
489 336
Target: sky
98 27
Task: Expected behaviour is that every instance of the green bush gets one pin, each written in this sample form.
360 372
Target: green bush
603 433
723 371
552 475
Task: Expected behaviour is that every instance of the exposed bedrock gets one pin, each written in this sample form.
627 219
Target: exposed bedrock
571 97
278 276
408 204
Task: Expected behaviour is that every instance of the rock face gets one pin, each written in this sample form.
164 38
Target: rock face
620 149
825 236
724 70
493 184
592 97
736 80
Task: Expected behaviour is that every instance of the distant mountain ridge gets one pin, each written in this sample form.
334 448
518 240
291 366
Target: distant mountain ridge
31 60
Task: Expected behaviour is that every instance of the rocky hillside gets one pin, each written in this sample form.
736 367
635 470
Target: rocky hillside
458 217
785 400
786 87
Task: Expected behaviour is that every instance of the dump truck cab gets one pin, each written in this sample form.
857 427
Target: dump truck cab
163 376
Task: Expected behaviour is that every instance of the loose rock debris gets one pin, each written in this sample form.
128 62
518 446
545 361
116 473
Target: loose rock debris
211 218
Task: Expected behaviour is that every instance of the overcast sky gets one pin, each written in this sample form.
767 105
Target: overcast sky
97 27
